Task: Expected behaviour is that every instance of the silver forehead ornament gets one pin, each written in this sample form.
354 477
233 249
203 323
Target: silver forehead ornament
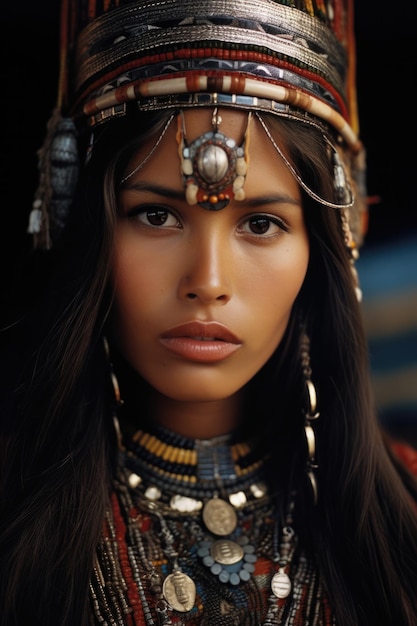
213 166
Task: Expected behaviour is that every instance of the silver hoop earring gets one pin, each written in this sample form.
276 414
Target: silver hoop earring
116 391
310 413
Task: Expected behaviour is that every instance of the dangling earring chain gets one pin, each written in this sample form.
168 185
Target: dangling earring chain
116 390
311 414
341 184
113 378
354 253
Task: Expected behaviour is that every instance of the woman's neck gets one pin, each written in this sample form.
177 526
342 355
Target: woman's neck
199 420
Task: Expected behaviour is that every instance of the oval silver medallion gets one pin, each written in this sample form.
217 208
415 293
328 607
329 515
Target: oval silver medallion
179 591
219 517
212 163
226 552
281 584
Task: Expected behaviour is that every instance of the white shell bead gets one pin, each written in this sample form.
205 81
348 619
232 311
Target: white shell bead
185 504
187 167
153 493
238 499
191 194
241 166
240 194
238 182
134 480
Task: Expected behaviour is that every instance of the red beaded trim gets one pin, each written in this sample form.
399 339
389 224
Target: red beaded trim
225 54
137 617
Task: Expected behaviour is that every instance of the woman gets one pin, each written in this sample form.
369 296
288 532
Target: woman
190 437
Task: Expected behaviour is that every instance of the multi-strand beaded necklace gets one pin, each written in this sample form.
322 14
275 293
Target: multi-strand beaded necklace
193 537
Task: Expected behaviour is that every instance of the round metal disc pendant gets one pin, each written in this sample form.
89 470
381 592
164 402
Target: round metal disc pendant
179 591
212 163
281 584
226 552
219 517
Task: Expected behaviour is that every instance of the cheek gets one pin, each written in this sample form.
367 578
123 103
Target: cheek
275 291
139 271
276 283
134 280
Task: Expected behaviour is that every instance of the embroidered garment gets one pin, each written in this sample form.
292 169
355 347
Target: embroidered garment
163 559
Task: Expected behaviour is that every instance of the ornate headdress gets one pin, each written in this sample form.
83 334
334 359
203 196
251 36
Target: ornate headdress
292 58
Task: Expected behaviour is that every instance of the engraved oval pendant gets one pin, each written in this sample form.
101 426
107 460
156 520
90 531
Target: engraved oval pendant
212 163
280 584
179 591
226 552
233 562
219 517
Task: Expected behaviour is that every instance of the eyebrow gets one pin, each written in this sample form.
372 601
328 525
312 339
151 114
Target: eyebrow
271 199
159 190
174 194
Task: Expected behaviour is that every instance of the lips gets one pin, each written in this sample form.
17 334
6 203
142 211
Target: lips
202 342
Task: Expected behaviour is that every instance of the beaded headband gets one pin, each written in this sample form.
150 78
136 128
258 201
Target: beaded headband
292 58
284 57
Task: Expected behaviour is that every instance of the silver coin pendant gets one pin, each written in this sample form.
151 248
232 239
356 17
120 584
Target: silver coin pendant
179 591
219 517
281 584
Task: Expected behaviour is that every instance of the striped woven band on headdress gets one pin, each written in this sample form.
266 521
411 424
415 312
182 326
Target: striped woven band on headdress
293 58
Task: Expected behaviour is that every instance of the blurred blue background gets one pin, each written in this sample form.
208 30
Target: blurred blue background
388 278
386 70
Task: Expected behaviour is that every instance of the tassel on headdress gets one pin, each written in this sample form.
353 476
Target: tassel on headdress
58 160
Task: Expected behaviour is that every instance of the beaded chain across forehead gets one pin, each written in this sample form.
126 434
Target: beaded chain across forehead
214 167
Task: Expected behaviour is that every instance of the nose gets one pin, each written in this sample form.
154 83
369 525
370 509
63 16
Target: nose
206 276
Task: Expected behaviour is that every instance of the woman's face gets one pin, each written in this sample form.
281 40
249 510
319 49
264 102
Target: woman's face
202 298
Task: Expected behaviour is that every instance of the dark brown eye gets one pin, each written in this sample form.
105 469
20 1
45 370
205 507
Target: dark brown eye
259 225
157 217
263 224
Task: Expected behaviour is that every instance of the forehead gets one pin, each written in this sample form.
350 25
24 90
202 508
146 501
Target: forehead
232 122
